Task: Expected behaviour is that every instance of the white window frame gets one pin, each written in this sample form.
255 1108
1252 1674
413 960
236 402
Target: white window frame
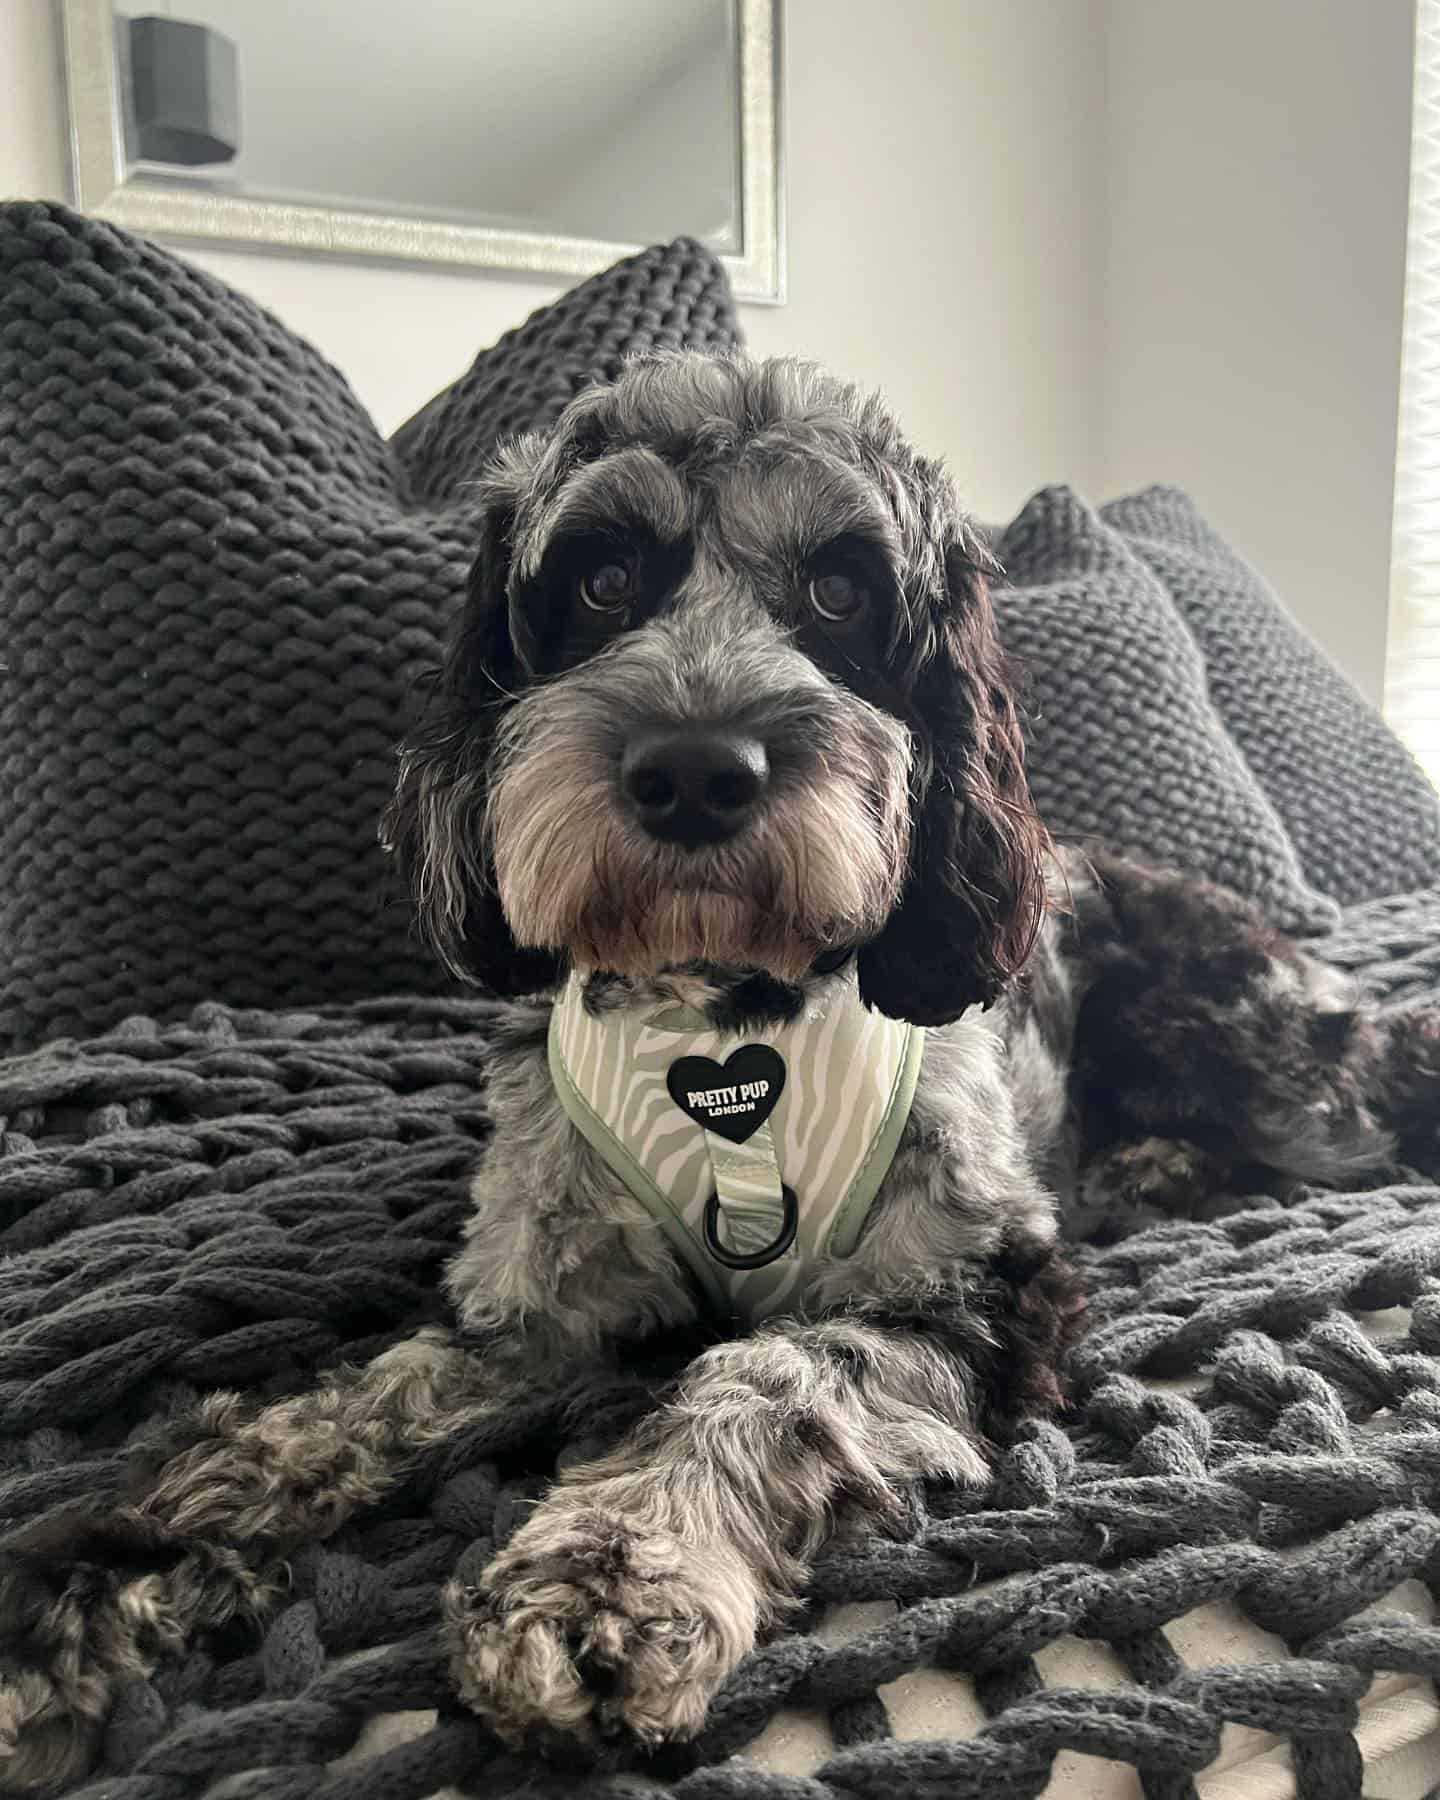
1412 658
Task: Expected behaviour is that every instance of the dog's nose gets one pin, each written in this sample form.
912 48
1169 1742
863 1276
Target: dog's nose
694 788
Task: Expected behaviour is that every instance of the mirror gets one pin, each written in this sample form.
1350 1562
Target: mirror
541 135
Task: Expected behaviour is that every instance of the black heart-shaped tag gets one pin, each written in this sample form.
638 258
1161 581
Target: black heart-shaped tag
733 1100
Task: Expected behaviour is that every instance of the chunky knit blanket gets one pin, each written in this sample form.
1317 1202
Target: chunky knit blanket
240 1198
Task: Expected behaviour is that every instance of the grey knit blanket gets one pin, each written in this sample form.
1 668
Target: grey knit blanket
238 1199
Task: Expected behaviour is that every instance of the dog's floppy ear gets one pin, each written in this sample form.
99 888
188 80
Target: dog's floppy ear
435 822
974 895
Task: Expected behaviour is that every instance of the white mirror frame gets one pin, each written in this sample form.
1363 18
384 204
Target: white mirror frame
98 168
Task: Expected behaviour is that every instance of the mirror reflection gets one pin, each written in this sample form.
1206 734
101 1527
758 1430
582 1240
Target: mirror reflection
617 121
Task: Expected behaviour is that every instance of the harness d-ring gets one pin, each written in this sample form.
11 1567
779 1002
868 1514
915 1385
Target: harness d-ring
757 1259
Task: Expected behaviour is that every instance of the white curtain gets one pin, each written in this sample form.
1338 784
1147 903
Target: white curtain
1412 674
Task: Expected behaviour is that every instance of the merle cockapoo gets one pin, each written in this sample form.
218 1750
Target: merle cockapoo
810 1030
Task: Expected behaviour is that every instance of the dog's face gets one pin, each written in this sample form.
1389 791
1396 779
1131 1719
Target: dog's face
726 691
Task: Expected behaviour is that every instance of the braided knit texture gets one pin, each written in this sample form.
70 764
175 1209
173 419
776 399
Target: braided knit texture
218 586
1364 819
240 1198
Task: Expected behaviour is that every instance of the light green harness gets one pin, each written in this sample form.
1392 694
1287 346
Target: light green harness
757 1153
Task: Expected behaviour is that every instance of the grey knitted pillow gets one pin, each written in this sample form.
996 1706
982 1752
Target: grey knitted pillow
1123 742
1363 818
218 585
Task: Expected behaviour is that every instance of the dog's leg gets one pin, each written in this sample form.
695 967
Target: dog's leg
297 1469
1199 1022
1144 1182
644 1578
87 1603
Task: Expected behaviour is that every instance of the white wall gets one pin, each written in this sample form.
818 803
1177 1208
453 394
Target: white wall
942 231
1256 174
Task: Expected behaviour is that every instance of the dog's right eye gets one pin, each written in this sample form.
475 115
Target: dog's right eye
609 588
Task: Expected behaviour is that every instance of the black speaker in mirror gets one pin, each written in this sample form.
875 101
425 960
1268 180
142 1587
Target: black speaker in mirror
182 92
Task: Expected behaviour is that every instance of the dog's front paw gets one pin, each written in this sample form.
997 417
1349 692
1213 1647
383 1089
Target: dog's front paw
597 1623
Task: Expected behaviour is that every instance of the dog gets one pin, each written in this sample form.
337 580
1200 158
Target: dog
722 791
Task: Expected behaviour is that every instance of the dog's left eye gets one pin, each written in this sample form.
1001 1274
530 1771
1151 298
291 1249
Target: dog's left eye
608 588
837 598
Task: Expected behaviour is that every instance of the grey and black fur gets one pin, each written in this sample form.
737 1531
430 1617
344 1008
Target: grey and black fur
751 558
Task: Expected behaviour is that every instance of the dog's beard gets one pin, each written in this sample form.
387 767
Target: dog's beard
819 868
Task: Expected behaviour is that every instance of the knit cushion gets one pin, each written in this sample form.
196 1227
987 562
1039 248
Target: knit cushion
217 589
675 299
1123 741
1362 816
